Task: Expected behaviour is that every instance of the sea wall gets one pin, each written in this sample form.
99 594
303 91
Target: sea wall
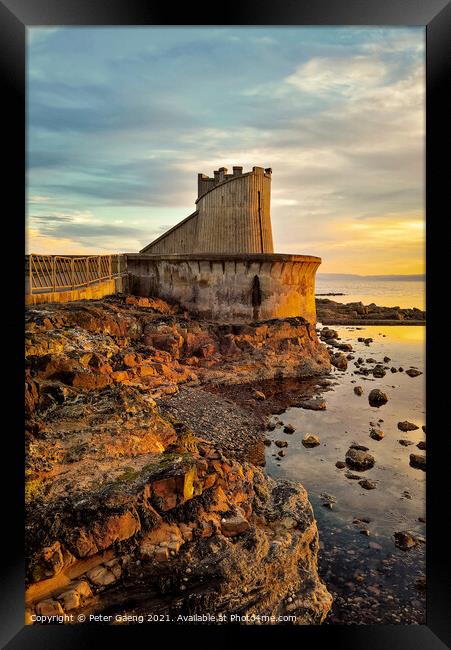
91 292
229 288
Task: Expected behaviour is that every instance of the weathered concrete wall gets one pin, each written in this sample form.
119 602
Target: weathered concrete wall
229 288
232 216
182 238
93 292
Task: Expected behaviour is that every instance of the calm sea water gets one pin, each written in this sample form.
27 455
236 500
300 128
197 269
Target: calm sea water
371 583
386 293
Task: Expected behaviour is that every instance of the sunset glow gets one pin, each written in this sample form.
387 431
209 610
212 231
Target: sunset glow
120 121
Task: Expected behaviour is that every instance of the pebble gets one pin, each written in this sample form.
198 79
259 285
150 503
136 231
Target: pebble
407 426
413 372
367 484
310 440
377 398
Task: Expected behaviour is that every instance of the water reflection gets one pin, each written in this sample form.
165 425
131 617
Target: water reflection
398 501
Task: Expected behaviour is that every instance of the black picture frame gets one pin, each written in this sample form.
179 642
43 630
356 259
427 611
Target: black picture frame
435 16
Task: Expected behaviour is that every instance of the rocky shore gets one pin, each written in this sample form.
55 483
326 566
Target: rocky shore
143 487
330 312
352 442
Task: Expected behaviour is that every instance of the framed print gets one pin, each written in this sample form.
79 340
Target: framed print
232 228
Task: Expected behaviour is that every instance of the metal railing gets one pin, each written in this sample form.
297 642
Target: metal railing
47 273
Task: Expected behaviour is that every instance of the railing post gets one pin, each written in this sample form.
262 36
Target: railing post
99 272
30 272
53 274
87 271
72 278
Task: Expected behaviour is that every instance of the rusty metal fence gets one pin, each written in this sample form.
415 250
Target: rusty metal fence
50 273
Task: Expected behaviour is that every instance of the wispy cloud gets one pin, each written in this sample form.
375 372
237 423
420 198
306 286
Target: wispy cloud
121 121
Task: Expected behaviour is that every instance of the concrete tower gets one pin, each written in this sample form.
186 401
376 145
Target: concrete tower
232 216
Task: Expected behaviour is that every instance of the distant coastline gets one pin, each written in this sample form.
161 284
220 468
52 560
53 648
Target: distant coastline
355 276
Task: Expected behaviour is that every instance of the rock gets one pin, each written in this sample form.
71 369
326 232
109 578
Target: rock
421 445
267 442
259 395
340 464
359 447
49 607
413 372
377 398
289 428
281 453
367 484
376 434
359 460
351 476
424 428
374 546
312 404
339 361
359 521
404 540
310 440
378 372
387 359
74 598
271 426
418 461
52 560
233 526
358 390
162 554
102 576
420 583
327 333
407 426
393 369
281 443
405 443
123 479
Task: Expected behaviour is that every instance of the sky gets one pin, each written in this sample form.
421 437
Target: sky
121 120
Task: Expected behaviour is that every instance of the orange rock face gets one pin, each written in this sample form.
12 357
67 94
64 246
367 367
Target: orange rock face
121 495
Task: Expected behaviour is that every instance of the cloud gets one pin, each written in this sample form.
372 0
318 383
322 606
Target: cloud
39 35
349 76
121 122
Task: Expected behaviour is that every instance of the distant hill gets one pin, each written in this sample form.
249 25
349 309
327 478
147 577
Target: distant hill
354 276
